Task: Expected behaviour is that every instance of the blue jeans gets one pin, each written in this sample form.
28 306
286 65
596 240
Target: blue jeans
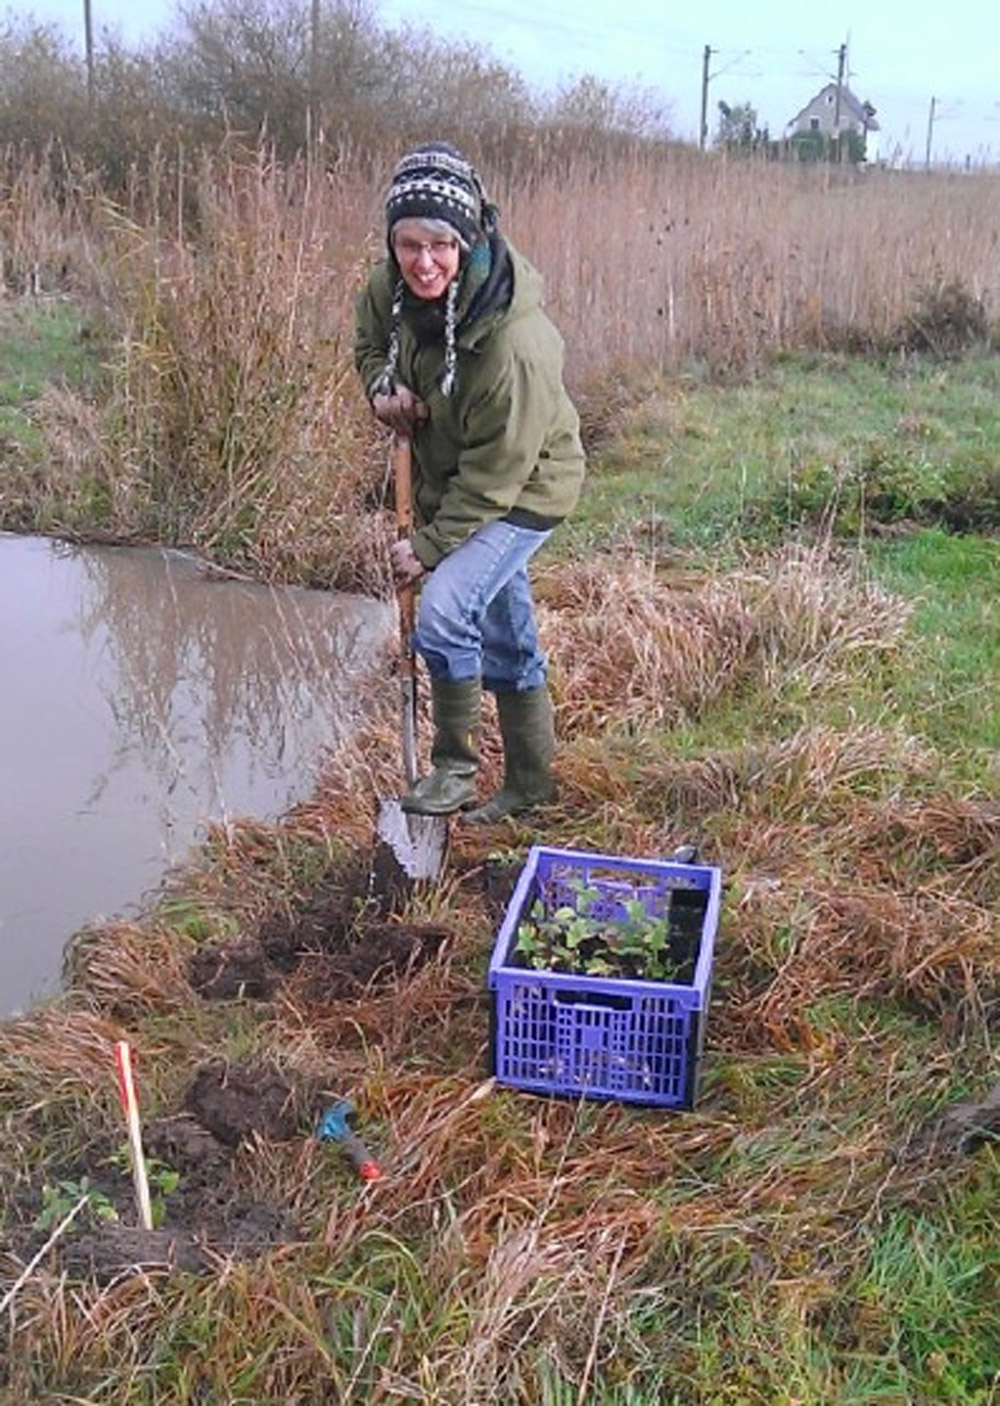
476 616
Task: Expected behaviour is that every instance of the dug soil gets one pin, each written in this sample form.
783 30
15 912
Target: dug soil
337 947
337 940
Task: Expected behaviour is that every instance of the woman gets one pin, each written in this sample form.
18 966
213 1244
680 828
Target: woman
454 350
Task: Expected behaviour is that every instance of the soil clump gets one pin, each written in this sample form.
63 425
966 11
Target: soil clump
343 943
234 1102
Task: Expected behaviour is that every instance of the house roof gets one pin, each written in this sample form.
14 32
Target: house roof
850 107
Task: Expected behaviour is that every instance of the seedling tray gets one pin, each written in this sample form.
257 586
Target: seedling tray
597 1036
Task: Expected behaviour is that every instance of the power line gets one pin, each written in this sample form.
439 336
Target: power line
534 19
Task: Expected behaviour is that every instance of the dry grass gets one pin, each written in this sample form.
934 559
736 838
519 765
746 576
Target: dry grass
512 1231
807 778
646 649
132 970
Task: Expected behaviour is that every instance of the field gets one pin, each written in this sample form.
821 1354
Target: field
773 628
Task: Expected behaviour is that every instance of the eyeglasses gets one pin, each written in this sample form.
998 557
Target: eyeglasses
413 248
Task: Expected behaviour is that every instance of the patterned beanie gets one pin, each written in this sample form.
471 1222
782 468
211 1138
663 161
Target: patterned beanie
435 182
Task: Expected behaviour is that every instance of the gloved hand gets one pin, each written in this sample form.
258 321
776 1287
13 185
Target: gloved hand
407 568
402 411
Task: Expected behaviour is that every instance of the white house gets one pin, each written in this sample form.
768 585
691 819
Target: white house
835 110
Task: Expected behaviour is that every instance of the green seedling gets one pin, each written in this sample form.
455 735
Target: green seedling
162 1178
574 939
59 1199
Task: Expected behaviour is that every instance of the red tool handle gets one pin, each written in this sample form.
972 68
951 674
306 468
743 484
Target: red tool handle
360 1158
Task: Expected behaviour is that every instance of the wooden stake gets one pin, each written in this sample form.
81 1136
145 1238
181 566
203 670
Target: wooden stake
130 1106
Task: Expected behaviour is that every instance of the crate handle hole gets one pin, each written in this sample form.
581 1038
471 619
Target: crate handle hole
586 998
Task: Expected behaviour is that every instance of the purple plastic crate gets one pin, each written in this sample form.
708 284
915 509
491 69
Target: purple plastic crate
600 1037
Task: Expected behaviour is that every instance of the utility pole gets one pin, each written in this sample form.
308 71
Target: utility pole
930 134
841 65
313 137
88 46
703 131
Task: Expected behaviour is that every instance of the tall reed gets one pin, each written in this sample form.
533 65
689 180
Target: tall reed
670 256
235 415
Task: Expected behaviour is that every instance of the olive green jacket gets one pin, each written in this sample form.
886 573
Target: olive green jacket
507 439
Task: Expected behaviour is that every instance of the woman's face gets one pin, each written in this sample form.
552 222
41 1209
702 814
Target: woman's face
428 260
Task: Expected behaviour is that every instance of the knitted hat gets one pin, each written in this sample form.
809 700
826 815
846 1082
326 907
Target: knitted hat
435 182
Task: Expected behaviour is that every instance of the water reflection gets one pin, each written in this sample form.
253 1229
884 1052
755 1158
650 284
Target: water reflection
139 700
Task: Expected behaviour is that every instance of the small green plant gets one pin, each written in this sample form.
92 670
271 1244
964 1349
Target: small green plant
162 1178
576 938
504 858
200 924
58 1200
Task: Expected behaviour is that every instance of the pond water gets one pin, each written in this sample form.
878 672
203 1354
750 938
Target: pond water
141 699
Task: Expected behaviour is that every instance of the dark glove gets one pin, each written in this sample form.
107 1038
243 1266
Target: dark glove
401 410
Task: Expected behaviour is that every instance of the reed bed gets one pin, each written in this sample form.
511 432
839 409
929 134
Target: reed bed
659 263
222 286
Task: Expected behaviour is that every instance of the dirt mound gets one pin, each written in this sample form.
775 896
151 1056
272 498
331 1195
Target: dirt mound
339 937
126 1249
232 971
182 1143
338 961
235 1101
375 958
220 1231
325 923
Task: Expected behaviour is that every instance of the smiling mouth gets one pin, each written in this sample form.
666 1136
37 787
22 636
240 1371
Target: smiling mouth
428 282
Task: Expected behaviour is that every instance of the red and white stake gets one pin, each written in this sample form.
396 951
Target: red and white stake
130 1107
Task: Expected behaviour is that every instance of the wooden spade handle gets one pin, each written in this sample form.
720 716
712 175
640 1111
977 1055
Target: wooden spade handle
402 470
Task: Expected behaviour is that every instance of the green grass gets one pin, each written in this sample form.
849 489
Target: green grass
950 693
42 343
708 470
926 1295
695 464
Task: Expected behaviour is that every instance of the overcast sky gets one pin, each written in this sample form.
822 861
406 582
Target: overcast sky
773 53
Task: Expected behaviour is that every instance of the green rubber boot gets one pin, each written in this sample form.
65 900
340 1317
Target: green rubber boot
451 785
527 726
